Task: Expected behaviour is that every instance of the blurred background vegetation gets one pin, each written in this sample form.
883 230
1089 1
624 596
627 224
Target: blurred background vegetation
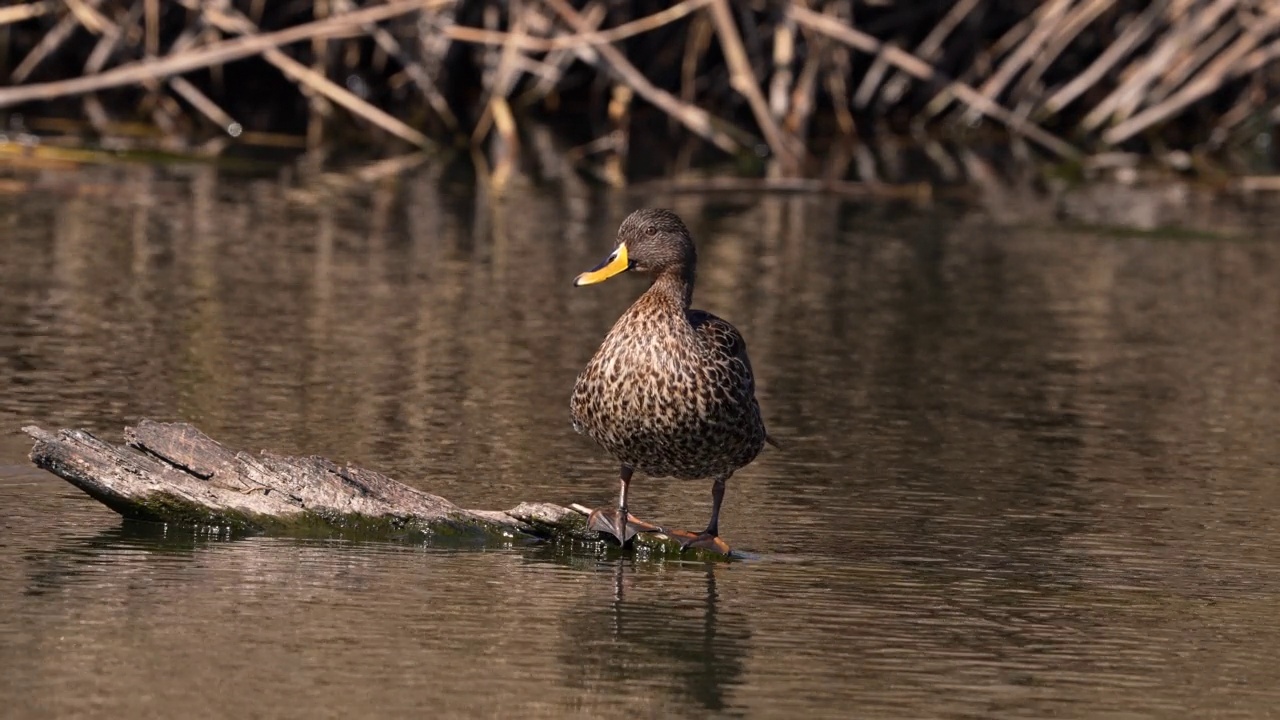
794 93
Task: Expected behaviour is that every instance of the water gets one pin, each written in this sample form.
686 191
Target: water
1030 469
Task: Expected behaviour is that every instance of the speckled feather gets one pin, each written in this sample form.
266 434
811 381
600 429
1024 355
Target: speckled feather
670 392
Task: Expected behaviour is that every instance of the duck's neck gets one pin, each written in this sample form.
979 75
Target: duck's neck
673 288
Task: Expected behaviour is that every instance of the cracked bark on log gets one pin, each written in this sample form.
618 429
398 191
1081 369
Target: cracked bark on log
174 473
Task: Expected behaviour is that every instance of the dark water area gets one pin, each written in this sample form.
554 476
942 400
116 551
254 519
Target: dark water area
1030 466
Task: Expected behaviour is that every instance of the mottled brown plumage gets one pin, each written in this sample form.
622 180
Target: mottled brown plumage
670 392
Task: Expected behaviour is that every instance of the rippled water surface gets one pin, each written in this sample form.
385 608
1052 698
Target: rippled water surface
1030 470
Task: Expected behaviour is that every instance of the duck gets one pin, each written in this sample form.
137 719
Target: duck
670 392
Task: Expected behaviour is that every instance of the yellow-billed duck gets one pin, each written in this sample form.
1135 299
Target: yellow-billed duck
670 391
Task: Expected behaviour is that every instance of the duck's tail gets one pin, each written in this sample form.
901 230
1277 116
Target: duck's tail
769 439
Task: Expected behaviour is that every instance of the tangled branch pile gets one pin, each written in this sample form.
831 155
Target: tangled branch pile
647 86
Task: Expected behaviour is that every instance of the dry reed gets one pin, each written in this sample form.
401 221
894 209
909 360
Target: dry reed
805 84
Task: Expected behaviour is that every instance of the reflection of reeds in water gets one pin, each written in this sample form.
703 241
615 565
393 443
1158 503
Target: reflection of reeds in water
791 80
1016 437
408 329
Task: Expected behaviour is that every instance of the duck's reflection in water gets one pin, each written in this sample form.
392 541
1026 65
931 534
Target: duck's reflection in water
662 629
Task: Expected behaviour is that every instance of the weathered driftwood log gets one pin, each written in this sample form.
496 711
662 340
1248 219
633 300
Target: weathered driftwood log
173 473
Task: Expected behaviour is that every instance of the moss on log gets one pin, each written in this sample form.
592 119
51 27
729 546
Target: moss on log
173 473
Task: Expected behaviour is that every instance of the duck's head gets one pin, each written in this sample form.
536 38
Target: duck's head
651 241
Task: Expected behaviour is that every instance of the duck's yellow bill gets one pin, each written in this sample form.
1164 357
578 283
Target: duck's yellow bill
617 262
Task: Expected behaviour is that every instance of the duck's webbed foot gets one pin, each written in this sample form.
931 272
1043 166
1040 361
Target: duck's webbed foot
705 540
608 522
708 539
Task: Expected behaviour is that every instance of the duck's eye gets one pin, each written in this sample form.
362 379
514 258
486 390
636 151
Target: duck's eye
650 230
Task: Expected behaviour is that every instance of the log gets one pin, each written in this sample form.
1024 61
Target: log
174 473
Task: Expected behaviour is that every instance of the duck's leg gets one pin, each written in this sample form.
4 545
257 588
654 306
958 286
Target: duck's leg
610 522
709 539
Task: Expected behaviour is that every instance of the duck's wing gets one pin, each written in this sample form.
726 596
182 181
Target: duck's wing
727 350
